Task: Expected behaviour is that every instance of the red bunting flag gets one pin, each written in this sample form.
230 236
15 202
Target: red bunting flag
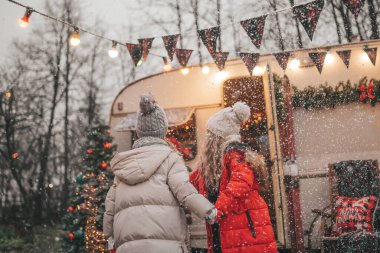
308 15
345 55
183 56
220 59
372 54
170 42
146 45
319 59
135 50
209 38
354 6
250 60
255 29
282 59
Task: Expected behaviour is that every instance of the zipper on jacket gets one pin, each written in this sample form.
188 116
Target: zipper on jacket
250 224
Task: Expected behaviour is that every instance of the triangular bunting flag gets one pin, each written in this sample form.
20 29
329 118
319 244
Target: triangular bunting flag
220 59
209 38
146 45
183 56
345 55
135 50
255 29
170 42
250 60
372 54
354 6
282 59
319 59
308 15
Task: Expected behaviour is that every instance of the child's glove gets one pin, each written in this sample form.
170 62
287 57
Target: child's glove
211 216
111 243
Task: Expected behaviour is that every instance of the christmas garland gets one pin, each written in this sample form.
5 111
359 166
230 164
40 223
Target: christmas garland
325 96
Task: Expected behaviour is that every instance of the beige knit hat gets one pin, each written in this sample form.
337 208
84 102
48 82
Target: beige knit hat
227 121
151 120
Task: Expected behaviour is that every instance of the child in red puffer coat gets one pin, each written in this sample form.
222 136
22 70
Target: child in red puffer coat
227 178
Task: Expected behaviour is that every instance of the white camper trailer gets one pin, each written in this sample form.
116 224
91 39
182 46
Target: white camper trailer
321 135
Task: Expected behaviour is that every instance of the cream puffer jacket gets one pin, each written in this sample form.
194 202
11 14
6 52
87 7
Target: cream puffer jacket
143 207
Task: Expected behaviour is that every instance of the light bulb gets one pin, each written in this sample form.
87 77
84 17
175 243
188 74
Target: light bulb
205 70
221 76
329 58
258 71
74 40
294 64
185 71
364 56
24 21
167 66
113 53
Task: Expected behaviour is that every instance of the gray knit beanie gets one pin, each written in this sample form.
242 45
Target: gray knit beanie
151 120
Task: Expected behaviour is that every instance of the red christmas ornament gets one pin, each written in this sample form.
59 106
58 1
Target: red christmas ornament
371 92
363 94
70 209
107 145
104 165
71 236
89 151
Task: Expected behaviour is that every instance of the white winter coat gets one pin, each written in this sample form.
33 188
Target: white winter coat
143 207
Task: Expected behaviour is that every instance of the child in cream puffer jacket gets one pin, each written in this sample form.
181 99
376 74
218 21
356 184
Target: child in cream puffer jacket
144 206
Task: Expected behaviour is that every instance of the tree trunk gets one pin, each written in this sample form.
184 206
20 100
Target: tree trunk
195 4
346 22
66 162
338 33
44 156
299 36
280 40
373 17
359 29
179 23
218 22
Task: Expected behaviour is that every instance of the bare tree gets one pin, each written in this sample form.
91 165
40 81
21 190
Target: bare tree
373 16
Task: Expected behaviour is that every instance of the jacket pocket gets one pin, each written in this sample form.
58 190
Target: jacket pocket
250 224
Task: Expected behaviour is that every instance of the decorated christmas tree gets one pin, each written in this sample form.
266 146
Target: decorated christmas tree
83 221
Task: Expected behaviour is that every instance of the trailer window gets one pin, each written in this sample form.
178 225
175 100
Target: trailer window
183 138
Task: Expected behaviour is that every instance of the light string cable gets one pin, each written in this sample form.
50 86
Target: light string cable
158 36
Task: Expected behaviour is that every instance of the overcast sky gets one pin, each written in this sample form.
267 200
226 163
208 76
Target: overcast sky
111 12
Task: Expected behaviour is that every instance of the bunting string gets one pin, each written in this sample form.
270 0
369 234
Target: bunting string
83 30
307 14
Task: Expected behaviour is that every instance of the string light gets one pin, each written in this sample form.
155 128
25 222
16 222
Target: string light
167 66
140 62
185 71
8 94
329 58
113 53
294 64
24 21
258 71
364 56
205 70
74 40
221 76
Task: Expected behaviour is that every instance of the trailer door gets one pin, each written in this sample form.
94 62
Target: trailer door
259 132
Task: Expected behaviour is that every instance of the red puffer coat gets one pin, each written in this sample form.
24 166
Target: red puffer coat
243 216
